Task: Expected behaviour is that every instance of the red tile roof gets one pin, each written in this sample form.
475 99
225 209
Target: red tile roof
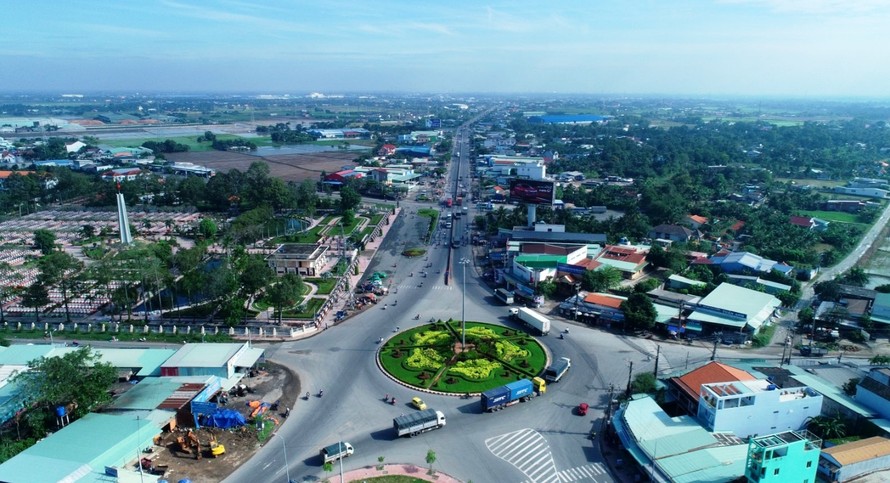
623 254
604 300
803 221
698 219
712 372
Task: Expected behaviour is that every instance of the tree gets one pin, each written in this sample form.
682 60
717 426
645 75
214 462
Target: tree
855 276
207 228
349 198
78 379
850 386
255 274
44 240
60 268
639 312
430 459
36 296
601 280
88 231
827 427
643 382
285 292
880 360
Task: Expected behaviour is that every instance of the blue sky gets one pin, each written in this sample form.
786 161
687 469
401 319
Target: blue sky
809 48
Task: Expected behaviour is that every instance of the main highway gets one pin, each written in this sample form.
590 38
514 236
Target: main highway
542 440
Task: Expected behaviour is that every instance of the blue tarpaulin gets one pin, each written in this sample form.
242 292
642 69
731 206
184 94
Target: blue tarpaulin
225 419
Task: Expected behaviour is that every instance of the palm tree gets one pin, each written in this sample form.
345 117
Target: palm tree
827 427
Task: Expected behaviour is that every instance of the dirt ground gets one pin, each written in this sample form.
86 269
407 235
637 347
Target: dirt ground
275 383
289 167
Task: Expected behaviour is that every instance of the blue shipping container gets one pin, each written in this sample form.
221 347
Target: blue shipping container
495 397
519 389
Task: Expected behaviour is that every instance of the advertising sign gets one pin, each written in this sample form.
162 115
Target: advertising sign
572 269
532 192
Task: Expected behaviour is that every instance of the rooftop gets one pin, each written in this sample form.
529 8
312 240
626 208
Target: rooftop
858 451
305 250
203 355
711 372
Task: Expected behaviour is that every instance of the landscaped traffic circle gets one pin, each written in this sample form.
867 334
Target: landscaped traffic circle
431 357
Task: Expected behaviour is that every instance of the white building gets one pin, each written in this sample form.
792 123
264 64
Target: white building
758 407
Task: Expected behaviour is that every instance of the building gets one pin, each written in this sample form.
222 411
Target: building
757 283
122 174
676 449
674 233
695 221
783 457
880 310
748 263
679 282
226 361
629 260
307 259
873 391
686 389
732 308
864 192
191 169
848 461
756 407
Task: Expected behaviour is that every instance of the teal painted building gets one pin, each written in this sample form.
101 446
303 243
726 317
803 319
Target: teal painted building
789 457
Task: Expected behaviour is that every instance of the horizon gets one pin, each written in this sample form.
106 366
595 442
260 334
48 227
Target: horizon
686 48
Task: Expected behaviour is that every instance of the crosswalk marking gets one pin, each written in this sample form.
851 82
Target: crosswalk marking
408 286
579 473
528 451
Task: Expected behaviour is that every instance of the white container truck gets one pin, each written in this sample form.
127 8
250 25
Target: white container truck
418 422
532 319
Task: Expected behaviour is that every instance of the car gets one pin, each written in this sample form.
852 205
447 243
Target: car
418 403
582 409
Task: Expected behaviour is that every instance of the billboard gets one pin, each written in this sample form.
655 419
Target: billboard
532 192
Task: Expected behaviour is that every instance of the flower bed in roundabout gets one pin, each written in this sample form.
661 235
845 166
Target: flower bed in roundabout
431 357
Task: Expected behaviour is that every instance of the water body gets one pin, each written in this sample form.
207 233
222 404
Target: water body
301 149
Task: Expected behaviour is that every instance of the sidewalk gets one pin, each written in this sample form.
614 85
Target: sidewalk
418 472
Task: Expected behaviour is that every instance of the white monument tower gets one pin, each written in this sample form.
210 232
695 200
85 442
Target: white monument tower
122 220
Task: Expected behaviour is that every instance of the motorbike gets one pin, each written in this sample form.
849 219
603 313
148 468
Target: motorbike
566 331
379 340
320 393
393 401
562 336
306 397
417 317
411 274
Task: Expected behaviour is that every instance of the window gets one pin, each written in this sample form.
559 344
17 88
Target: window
776 471
809 465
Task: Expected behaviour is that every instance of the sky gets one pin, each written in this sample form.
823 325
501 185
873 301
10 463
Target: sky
799 48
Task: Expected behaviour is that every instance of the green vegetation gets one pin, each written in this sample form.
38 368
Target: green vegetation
433 215
424 357
414 252
324 286
833 216
764 336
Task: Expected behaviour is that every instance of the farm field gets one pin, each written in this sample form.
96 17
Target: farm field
288 167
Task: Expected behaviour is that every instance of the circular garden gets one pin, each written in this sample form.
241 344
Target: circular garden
431 357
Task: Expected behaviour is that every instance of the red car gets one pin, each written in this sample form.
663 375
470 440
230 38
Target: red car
582 409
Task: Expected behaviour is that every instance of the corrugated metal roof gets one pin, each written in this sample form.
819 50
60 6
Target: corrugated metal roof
22 354
152 392
148 361
661 435
181 396
829 391
858 451
720 463
203 355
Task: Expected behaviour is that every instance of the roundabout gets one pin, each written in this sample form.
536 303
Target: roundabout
433 358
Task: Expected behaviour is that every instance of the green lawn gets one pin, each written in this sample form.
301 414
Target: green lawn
435 341
312 307
833 216
325 285
123 335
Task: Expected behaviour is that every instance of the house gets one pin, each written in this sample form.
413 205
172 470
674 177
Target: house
674 233
678 282
757 283
873 391
307 259
781 457
74 147
848 206
848 461
695 221
806 222
864 192
387 150
756 407
122 174
746 262
880 310
340 177
629 260
686 389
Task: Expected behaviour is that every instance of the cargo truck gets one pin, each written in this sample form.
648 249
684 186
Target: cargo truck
512 393
532 319
555 371
504 296
418 422
336 451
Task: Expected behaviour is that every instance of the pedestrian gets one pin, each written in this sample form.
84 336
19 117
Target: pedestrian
286 412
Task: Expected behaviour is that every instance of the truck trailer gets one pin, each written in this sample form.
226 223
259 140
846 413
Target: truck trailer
418 422
512 393
532 319
336 451
555 371
504 296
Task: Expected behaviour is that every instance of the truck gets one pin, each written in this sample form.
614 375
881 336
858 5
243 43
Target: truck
555 371
812 351
460 200
448 202
336 451
418 422
532 319
512 393
504 296
465 211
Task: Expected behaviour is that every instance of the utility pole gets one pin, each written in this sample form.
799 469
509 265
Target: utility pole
657 354
714 350
629 374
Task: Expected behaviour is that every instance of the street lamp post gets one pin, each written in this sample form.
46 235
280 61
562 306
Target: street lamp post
463 307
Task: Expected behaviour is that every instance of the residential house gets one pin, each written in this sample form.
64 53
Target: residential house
674 233
745 262
695 221
864 192
686 389
873 391
880 310
629 260
74 147
848 461
756 407
806 222
122 174
848 206
387 150
783 457
757 283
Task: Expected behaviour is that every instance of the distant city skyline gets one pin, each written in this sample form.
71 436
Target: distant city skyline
799 48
